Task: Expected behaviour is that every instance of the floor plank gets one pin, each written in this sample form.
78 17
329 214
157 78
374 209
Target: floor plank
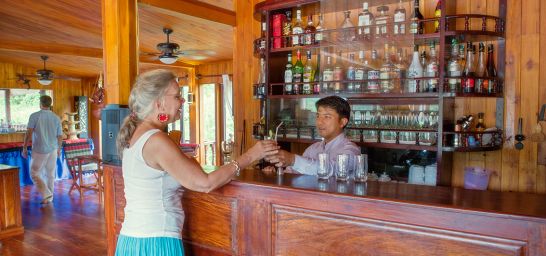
68 226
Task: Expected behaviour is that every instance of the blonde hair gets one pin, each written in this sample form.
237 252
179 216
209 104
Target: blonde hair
148 87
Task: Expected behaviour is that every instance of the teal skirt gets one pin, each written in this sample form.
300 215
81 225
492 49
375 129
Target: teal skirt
143 246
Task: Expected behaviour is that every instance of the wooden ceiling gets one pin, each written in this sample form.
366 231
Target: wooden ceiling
70 33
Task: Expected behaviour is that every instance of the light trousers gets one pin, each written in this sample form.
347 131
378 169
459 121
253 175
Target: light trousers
42 172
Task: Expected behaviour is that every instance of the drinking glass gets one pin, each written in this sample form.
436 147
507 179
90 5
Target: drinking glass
361 168
342 167
324 168
227 150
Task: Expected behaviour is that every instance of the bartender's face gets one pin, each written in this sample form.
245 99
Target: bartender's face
329 123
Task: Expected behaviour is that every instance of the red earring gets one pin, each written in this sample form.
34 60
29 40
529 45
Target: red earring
162 117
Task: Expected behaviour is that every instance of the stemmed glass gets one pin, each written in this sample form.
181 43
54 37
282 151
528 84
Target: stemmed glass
227 150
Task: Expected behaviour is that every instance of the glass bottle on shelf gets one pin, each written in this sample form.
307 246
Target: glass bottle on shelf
262 45
260 84
432 70
338 74
298 74
415 71
437 15
468 73
350 74
297 30
327 75
462 57
287 29
400 69
454 68
386 71
424 58
491 71
400 19
373 73
382 22
347 28
480 69
308 75
309 38
416 26
365 21
317 76
319 35
360 72
288 76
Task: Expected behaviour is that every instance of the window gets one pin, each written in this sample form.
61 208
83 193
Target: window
184 124
229 122
207 95
16 105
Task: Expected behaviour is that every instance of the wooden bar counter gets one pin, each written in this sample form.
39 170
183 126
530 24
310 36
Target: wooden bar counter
11 223
262 214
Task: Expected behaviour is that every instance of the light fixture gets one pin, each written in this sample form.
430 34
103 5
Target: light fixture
168 49
45 76
168 58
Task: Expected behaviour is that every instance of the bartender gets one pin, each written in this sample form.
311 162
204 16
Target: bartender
333 114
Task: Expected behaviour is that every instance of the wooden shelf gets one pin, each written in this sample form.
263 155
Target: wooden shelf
367 144
471 149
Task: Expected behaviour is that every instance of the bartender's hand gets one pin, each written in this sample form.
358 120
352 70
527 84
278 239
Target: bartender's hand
282 158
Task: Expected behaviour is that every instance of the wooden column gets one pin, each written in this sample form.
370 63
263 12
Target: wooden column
120 48
11 223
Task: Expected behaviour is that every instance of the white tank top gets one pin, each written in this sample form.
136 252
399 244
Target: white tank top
154 206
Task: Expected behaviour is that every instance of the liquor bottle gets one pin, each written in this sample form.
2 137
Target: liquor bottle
462 57
262 45
400 70
287 29
468 73
327 75
480 127
347 28
260 84
424 59
432 70
317 76
454 68
297 72
480 70
288 76
416 26
386 71
491 71
297 30
373 74
437 15
382 22
400 19
415 71
308 75
338 75
310 30
360 72
350 73
319 36
365 21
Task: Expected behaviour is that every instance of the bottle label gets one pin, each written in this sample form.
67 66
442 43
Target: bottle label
327 75
288 76
351 74
399 17
359 74
288 88
373 85
296 37
297 78
414 27
308 39
318 36
338 74
364 20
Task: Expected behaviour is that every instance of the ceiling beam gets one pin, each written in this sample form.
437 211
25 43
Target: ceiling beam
193 8
50 48
71 50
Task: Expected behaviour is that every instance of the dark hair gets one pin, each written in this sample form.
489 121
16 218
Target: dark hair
340 105
45 101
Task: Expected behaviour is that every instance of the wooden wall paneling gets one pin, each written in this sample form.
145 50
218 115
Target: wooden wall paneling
253 227
245 70
512 87
530 54
541 167
11 223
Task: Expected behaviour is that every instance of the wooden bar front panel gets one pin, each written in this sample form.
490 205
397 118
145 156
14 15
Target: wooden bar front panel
264 215
11 223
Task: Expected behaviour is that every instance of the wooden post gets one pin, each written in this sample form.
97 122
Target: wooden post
120 48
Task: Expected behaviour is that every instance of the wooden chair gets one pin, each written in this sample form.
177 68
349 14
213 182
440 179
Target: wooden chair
81 161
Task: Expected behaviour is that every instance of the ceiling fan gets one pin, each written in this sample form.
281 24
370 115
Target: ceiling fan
170 52
45 76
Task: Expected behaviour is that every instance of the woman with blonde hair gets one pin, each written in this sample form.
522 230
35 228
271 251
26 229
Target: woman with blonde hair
155 170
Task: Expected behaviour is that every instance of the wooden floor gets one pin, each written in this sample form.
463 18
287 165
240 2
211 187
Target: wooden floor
69 226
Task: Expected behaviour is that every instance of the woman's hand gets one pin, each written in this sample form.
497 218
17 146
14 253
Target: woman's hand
262 149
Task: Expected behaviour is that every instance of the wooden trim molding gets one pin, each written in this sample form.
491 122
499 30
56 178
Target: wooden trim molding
193 8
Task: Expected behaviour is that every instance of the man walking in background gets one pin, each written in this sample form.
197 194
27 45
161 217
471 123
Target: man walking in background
45 128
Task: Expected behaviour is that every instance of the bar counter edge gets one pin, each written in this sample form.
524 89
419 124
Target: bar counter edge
265 214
